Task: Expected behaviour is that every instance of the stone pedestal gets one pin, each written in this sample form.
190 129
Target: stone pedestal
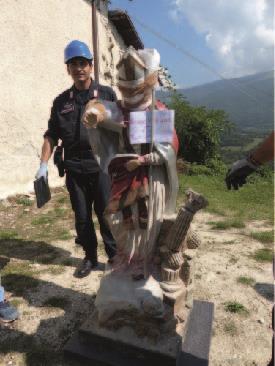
123 347
188 346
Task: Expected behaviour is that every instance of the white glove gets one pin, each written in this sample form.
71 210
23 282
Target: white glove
42 171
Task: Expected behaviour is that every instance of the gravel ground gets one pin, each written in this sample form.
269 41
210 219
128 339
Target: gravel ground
38 274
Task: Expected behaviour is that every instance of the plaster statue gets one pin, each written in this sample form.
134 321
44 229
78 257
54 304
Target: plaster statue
150 280
134 227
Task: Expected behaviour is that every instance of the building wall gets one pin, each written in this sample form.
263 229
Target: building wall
33 36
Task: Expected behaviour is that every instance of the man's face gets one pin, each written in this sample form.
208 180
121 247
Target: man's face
80 69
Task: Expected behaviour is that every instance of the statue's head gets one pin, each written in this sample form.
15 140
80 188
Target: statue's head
137 76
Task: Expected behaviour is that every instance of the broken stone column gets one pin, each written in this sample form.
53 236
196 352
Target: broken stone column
193 239
187 274
171 252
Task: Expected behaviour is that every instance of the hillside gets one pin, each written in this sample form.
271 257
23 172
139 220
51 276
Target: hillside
238 97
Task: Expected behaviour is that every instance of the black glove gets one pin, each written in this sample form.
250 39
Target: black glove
239 171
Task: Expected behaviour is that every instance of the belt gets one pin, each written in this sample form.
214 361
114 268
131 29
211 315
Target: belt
85 154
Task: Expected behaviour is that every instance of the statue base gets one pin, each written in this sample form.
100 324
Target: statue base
123 346
188 346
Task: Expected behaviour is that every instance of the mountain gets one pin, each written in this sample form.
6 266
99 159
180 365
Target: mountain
248 101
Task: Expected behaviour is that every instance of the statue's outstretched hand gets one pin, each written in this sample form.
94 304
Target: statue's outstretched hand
94 113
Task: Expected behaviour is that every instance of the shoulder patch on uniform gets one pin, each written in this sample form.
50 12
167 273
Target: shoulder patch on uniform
68 107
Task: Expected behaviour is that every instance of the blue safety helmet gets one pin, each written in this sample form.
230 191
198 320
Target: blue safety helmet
77 49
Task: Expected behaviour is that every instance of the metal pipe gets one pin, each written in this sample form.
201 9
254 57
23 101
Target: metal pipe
150 203
95 40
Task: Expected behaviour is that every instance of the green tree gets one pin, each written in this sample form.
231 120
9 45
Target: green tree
199 129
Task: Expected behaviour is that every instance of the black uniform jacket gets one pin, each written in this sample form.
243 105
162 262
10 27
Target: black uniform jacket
64 124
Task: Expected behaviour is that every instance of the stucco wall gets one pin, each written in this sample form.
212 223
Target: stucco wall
33 36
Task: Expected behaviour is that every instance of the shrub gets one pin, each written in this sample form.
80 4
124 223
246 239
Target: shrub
235 307
213 167
248 281
263 236
217 166
199 129
197 169
263 255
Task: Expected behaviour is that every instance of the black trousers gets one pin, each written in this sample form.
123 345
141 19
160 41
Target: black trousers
86 191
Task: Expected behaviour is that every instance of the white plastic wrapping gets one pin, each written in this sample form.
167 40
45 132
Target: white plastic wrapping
151 58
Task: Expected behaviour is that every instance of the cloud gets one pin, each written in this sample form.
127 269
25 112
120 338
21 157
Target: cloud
240 32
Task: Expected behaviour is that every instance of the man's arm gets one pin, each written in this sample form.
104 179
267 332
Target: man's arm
47 149
265 152
241 169
50 140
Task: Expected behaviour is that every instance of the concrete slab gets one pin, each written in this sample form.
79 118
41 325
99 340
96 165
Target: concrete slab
196 343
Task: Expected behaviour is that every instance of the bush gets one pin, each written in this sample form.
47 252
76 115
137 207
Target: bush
217 166
197 169
212 167
263 255
266 171
199 129
235 307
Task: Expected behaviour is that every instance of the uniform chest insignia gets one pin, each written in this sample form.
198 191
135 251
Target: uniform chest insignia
68 107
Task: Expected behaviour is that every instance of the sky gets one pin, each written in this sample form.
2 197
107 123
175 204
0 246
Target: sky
223 38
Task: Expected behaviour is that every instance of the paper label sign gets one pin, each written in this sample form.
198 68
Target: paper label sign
140 126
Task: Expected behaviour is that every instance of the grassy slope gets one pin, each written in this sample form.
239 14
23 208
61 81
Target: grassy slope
252 202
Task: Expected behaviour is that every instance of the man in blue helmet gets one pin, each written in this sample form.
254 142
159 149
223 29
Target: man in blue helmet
88 186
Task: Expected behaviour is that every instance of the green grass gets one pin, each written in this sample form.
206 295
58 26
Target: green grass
60 212
62 235
235 307
24 201
263 255
16 302
230 328
19 277
62 200
253 144
55 270
67 262
43 220
231 148
56 302
47 258
18 267
251 202
8 234
263 236
229 242
224 225
247 281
